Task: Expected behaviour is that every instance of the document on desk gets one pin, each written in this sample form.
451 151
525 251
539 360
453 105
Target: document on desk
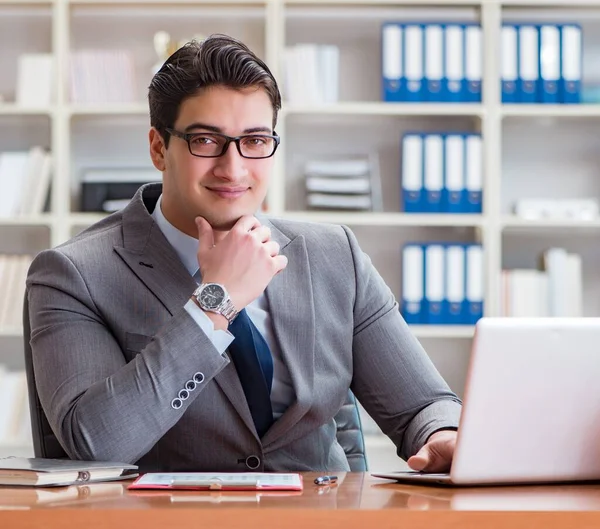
218 481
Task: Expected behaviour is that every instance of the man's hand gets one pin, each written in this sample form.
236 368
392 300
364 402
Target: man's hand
436 454
245 260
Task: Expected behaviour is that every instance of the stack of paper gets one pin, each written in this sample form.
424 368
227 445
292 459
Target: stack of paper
343 183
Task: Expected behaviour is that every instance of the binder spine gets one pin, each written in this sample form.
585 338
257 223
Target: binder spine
413 283
412 173
528 64
571 63
414 62
434 172
509 63
392 66
434 283
454 195
549 56
434 71
473 63
454 61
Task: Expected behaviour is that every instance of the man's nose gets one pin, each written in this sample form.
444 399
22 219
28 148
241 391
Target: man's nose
232 164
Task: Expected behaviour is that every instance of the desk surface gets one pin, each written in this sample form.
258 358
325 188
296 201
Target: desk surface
358 501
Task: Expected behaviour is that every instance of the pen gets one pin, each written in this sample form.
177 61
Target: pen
325 480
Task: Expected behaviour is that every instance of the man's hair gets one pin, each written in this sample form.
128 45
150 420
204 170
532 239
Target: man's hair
219 60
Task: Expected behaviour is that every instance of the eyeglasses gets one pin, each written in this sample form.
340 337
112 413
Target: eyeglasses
214 144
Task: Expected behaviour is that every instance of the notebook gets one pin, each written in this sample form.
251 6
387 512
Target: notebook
218 481
41 472
530 412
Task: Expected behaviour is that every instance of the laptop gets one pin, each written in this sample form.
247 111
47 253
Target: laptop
531 408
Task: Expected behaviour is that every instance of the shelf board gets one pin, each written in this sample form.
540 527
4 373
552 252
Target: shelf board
126 109
38 220
438 3
12 109
385 109
385 219
169 2
517 223
546 3
551 111
443 331
11 332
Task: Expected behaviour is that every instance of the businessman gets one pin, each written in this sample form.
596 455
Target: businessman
186 332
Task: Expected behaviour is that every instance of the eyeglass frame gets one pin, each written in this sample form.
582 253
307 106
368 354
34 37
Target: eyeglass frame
187 136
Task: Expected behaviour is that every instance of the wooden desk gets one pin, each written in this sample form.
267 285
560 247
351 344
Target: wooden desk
358 501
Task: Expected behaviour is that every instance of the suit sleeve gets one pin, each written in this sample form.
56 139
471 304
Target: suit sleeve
393 378
99 406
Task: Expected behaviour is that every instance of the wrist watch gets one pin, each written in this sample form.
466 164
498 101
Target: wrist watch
213 297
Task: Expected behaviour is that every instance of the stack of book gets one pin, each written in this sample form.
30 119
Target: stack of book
13 272
102 76
555 290
25 182
311 74
343 183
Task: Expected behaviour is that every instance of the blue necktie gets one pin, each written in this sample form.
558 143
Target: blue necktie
254 364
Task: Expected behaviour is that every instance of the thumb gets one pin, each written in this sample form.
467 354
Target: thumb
206 238
421 460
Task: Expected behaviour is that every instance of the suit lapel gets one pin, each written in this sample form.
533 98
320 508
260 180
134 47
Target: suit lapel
154 261
291 306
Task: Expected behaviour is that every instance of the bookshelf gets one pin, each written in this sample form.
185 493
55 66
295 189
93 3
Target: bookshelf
524 147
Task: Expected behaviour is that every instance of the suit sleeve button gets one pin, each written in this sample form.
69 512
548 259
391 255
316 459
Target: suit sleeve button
176 404
199 377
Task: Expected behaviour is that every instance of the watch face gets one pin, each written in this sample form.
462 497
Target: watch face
212 296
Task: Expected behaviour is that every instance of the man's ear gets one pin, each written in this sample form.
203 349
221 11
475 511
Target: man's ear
157 149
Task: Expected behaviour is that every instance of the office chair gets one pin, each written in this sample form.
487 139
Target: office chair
45 443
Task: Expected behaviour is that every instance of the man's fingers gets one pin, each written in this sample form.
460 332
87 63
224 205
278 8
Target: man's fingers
262 233
281 262
206 237
272 247
246 223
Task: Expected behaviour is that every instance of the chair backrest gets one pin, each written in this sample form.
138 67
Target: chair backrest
350 434
45 443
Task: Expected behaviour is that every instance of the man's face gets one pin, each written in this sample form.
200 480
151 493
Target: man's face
219 189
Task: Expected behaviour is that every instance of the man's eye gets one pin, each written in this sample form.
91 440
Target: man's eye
202 140
255 140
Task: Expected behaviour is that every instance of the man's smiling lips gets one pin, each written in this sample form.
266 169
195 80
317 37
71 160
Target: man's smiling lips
228 192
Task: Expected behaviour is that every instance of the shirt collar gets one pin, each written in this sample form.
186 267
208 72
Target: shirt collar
185 246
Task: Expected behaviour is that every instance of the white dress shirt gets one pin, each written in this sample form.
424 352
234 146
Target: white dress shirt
186 247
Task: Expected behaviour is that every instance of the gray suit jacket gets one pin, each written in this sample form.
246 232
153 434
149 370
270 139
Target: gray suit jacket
112 346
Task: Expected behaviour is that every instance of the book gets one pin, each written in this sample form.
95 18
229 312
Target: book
218 481
41 472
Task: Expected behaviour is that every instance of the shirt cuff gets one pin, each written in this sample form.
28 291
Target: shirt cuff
220 339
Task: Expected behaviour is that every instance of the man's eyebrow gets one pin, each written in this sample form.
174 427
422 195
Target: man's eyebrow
219 130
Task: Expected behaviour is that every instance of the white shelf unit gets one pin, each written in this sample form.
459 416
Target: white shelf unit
528 149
